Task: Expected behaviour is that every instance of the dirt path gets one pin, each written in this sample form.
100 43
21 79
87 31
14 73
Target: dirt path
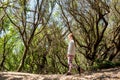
106 74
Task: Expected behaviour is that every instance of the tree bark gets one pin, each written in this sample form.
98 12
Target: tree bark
23 60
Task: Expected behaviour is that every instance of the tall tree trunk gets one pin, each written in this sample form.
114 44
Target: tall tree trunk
2 63
23 60
4 56
112 56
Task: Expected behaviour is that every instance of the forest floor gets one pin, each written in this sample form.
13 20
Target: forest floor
104 74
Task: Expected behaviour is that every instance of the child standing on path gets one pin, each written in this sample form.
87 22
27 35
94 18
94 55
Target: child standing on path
71 54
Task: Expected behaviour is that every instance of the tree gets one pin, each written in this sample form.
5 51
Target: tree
115 39
90 22
33 33
20 18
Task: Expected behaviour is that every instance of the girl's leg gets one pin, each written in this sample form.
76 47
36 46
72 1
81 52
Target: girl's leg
70 58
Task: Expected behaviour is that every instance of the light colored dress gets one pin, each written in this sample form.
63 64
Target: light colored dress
71 52
71 48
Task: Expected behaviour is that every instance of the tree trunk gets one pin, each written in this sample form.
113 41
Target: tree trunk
4 56
23 60
2 63
112 56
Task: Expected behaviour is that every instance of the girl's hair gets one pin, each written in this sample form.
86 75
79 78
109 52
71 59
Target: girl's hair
70 35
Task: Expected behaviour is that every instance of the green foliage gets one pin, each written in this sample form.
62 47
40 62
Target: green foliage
47 48
104 65
117 63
